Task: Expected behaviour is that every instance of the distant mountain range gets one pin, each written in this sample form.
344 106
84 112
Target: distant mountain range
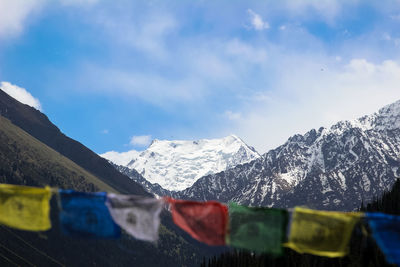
334 168
330 168
177 165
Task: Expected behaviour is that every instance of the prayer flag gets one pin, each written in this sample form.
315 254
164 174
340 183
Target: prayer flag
137 215
86 215
24 207
257 229
386 231
322 233
204 221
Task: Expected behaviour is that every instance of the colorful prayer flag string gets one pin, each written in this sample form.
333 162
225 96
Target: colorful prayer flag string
102 215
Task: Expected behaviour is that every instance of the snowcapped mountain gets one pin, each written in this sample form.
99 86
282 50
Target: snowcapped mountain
335 168
176 165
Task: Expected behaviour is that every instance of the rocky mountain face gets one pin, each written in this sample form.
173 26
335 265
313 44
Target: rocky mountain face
176 165
333 168
149 187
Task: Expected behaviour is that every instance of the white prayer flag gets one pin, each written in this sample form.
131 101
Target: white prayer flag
139 216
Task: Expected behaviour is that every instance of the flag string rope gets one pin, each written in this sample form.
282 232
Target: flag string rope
33 247
259 229
18 256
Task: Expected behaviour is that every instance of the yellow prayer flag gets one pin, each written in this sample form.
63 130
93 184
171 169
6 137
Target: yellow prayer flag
322 233
25 208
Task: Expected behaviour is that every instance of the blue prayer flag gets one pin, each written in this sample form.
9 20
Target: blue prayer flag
386 231
86 215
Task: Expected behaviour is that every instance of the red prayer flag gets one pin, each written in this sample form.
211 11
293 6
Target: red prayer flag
204 221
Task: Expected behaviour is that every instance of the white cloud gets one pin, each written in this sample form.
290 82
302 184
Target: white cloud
327 9
246 51
309 98
140 140
14 14
78 2
105 131
389 38
145 32
20 94
149 87
257 22
232 115
277 84
201 70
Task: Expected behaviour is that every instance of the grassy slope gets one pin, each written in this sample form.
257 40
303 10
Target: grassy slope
25 160
33 163
40 127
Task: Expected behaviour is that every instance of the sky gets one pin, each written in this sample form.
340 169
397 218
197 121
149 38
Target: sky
115 75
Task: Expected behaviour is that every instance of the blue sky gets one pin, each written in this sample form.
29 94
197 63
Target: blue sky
116 74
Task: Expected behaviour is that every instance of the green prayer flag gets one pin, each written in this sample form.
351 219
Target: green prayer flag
257 229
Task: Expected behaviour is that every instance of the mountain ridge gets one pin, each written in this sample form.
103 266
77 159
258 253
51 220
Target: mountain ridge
330 168
39 126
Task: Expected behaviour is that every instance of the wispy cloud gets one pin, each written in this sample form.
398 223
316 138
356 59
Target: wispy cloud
78 2
140 140
149 87
310 98
395 17
327 9
246 51
257 21
146 32
232 115
20 94
265 87
394 40
15 13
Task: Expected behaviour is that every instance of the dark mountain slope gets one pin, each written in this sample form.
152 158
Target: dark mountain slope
388 203
38 125
25 160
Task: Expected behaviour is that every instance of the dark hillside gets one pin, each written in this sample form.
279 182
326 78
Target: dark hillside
388 203
39 126
25 160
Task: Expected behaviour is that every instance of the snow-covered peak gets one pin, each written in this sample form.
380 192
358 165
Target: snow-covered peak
121 158
226 145
176 165
388 117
